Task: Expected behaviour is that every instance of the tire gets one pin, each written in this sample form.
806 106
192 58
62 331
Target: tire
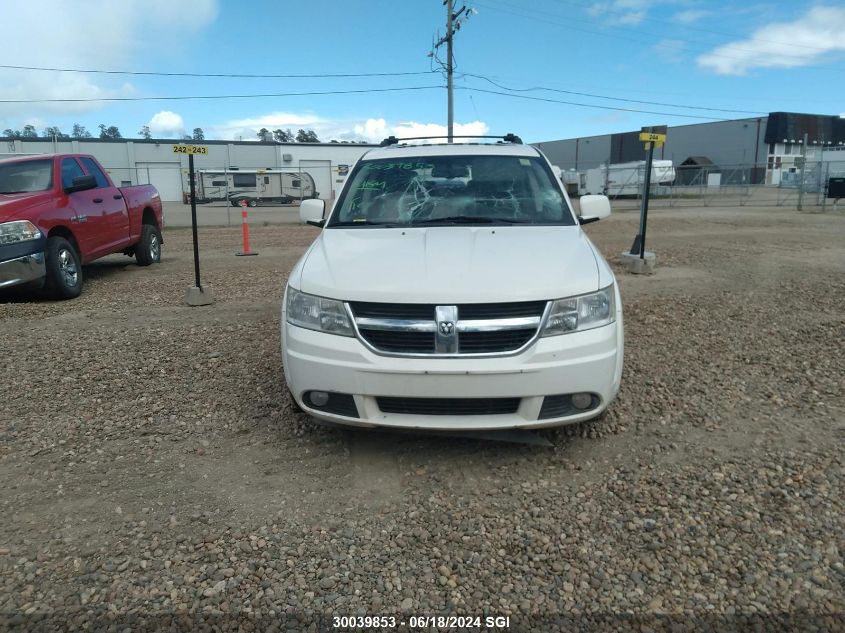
64 269
148 248
234 203
253 202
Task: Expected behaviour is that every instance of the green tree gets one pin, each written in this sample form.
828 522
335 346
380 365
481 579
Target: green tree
264 135
10 133
79 131
306 136
109 132
283 136
199 135
144 132
54 132
29 132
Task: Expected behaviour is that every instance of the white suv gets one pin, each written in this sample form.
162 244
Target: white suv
452 287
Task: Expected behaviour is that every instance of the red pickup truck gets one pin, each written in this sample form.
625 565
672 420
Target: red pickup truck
61 211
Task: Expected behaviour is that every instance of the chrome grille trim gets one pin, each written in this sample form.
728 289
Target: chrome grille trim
431 326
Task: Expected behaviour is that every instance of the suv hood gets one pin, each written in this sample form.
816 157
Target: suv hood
454 264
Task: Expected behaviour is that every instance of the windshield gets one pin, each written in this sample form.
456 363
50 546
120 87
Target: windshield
431 190
26 176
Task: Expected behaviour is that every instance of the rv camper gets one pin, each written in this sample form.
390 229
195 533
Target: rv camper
624 179
256 186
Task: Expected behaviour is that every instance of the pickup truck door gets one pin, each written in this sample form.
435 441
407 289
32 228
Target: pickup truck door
112 207
83 214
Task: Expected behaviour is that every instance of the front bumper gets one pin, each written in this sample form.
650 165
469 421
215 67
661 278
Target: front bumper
589 361
22 263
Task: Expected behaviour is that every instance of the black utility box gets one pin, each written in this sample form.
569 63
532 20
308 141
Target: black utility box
836 188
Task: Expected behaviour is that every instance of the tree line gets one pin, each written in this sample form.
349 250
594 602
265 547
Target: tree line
111 131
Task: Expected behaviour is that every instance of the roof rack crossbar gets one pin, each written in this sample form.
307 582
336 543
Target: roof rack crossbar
507 138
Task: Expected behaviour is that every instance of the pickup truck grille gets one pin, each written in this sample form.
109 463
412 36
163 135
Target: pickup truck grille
407 329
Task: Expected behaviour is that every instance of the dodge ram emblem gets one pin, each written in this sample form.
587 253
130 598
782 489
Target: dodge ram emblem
446 327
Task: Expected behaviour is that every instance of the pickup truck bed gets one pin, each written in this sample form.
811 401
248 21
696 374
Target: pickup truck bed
61 211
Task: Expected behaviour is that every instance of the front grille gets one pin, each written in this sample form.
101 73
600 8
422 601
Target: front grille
400 342
364 309
480 328
487 342
448 406
501 310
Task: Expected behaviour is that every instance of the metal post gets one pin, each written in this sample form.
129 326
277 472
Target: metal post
449 68
803 172
639 241
194 221
228 202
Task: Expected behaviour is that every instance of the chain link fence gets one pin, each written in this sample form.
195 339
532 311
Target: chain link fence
804 186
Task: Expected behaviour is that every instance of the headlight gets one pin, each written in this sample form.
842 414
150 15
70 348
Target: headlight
317 313
581 313
18 231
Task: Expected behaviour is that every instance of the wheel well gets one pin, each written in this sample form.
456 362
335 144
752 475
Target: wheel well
149 217
63 231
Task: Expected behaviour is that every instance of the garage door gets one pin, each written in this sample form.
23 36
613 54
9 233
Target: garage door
167 178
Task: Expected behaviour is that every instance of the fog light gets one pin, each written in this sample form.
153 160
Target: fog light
319 398
581 400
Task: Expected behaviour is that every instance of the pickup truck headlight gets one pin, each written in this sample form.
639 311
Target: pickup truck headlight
581 313
18 231
317 313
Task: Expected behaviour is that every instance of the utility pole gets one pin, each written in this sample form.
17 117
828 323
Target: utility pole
454 19
449 89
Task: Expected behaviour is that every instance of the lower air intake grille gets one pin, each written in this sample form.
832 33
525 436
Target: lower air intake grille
448 406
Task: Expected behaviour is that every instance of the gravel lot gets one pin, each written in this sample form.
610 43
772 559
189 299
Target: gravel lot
155 473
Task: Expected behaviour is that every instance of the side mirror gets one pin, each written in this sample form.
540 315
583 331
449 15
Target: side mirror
81 183
311 211
593 208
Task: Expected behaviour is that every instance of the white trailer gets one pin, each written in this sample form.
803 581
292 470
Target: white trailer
624 179
256 186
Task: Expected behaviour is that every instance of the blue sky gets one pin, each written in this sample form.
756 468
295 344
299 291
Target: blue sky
708 54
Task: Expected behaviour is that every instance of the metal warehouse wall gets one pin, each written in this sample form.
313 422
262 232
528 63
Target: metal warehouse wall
577 153
724 142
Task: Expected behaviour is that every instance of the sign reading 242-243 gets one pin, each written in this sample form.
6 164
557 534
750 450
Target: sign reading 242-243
190 149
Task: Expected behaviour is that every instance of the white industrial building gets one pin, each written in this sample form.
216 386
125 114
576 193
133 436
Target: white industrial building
140 161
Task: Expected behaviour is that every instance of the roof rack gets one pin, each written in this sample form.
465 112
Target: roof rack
507 138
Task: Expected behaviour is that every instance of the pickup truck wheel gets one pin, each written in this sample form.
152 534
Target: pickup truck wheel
148 249
64 269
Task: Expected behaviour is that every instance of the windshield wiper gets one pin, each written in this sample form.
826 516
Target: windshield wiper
10 192
469 219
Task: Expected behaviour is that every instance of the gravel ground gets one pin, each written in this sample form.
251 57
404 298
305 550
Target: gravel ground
156 474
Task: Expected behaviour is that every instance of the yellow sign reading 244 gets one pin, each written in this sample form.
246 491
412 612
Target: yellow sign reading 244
190 149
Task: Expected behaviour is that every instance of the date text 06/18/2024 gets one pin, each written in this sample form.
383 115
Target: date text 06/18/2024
421 622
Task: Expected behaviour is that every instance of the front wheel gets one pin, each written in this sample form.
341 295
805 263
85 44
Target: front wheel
64 269
148 249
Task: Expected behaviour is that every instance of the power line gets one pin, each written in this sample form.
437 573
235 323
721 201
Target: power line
596 96
216 75
698 28
590 105
243 96
617 36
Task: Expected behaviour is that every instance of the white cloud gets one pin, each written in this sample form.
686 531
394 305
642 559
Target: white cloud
166 124
622 12
92 34
670 50
690 15
813 37
371 130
